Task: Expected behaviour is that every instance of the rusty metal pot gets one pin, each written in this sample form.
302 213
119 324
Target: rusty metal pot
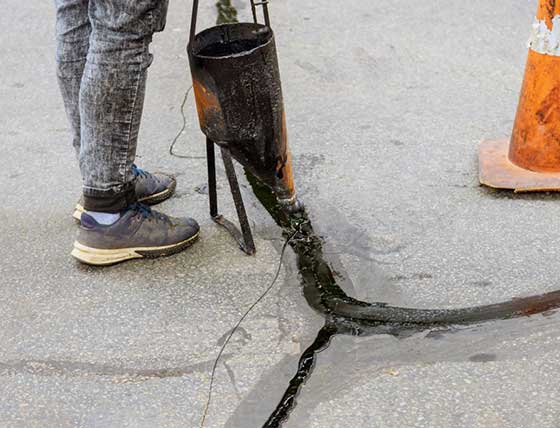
238 94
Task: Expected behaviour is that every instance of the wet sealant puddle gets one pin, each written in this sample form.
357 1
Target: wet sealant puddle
345 315
348 316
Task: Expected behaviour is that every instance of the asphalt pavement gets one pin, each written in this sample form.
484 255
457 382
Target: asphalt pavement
386 104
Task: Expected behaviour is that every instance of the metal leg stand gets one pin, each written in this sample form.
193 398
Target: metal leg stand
212 193
245 236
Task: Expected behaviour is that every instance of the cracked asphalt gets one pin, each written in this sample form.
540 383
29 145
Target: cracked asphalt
385 106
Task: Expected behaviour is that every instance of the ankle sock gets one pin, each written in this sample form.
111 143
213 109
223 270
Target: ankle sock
106 219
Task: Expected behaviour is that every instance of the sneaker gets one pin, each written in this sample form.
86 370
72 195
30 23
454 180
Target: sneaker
139 232
151 189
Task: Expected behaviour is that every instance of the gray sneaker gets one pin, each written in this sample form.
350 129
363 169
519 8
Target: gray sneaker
139 233
150 189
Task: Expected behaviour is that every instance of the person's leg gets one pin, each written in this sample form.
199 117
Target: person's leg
111 101
112 98
72 43
73 31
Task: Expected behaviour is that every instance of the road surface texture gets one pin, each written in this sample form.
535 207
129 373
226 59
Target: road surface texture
386 104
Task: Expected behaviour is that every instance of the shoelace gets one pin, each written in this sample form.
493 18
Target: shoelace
146 212
139 172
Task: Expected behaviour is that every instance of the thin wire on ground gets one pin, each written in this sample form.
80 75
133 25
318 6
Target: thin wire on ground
183 127
234 330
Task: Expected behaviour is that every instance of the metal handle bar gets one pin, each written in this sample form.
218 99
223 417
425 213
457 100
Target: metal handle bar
254 4
264 5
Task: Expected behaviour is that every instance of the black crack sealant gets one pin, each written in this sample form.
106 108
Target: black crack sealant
346 315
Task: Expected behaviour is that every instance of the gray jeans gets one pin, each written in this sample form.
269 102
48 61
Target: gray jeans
102 60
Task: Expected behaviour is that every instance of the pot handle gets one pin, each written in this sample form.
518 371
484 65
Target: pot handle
254 4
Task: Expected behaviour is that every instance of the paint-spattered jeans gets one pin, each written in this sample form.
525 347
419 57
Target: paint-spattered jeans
102 60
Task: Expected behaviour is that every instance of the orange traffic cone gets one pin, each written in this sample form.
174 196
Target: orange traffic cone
530 161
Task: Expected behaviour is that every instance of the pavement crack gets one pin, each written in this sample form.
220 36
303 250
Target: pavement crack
351 316
119 374
231 375
246 337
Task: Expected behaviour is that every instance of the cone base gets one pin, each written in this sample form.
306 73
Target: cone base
498 172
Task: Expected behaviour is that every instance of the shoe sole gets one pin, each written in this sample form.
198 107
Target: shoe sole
100 257
161 196
148 200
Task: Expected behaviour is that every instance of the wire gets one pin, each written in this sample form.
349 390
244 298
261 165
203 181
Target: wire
183 127
234 330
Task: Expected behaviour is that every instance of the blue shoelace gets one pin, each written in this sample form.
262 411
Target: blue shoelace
138 171
147 212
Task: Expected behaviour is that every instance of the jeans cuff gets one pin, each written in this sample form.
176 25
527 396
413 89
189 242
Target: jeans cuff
110 201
